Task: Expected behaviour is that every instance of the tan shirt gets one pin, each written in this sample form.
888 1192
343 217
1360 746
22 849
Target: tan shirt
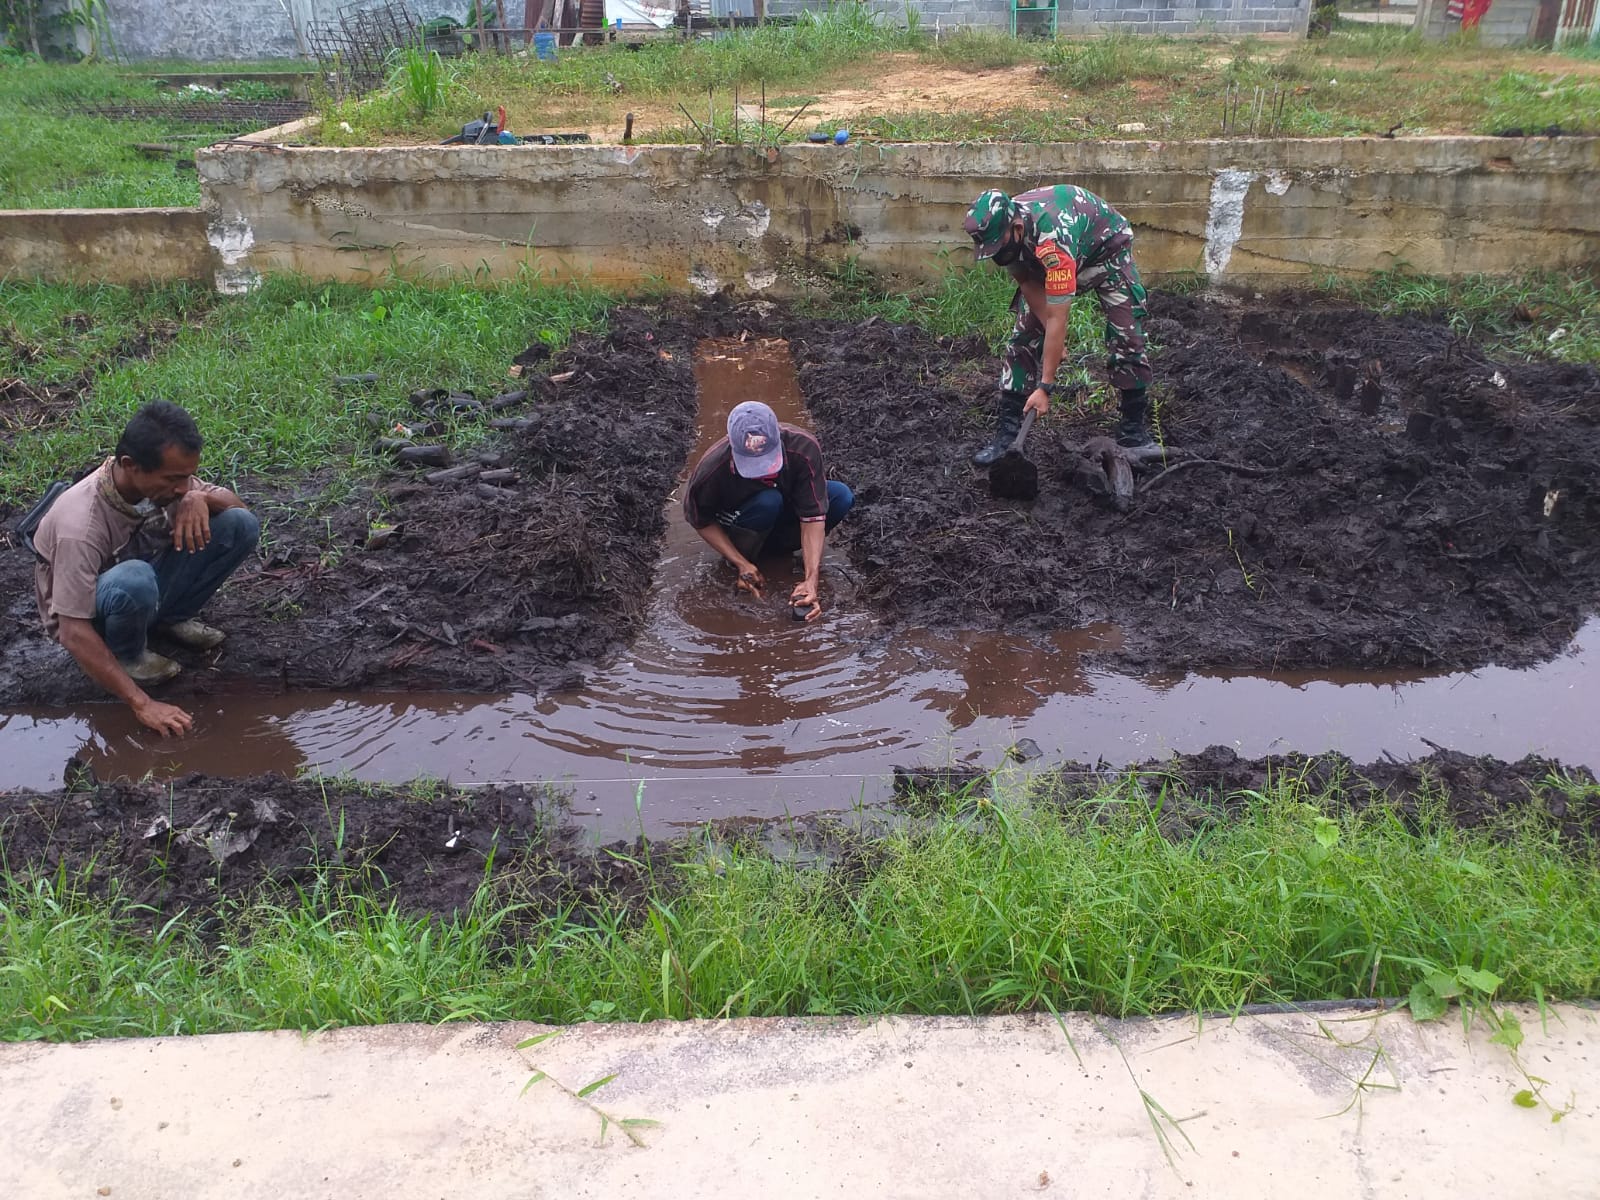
88 531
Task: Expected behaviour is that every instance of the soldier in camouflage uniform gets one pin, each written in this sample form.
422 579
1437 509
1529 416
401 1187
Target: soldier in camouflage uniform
1055 242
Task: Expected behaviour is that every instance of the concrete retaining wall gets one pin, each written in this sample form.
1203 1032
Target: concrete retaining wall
753 219
98 245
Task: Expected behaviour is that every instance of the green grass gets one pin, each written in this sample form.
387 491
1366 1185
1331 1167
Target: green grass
987 908
981 50
776 56
1118 58
1549 315
258 372
53 158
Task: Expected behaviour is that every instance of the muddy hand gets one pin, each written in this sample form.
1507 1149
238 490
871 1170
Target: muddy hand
751 581
803 600
166 719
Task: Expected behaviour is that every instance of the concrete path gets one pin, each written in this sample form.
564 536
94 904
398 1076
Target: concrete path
1331 1104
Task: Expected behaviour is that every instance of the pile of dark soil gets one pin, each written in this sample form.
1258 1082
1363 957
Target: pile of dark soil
192 843
1190 792
477 588
1407 501
1423 506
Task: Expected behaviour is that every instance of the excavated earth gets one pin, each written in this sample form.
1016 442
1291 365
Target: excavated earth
189 844
1370 491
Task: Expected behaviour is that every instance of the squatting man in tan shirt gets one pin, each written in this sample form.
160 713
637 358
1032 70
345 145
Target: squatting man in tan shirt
140 544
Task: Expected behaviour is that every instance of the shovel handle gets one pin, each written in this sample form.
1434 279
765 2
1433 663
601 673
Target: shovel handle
1022 434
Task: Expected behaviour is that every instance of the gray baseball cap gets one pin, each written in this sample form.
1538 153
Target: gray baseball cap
753 435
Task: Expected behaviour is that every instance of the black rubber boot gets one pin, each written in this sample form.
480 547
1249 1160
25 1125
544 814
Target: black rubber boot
1134 430
1006 428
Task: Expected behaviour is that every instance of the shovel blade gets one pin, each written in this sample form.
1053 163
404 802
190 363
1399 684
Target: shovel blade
1014 477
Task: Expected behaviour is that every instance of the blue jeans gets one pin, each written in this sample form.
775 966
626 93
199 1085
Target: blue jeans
770 526
134 595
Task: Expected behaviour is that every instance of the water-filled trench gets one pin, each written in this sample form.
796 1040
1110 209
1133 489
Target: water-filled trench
723 706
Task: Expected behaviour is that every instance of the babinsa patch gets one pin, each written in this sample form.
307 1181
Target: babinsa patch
1060 271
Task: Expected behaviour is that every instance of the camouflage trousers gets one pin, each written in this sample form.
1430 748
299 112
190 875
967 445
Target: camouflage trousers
1116 282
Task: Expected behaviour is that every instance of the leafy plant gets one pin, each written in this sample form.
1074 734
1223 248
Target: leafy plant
30 24
1473 989
422 79
1116 58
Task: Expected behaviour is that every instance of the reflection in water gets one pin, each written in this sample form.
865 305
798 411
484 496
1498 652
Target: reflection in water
925 698
725 706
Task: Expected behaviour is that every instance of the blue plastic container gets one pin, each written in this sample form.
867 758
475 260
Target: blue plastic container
544 46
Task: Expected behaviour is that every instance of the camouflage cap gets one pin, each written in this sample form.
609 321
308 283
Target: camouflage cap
988 219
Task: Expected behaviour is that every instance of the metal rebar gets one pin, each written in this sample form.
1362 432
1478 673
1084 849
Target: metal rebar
692 121
793 119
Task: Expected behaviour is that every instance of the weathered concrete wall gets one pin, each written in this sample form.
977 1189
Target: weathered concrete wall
99 245
1229 17
752 219
241 30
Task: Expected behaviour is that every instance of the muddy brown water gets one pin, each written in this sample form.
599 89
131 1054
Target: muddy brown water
724 706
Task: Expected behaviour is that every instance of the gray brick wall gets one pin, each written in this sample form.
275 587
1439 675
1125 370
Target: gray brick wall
206 31
250 29
1098 16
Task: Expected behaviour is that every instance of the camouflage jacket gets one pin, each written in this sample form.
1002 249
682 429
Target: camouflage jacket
1068 229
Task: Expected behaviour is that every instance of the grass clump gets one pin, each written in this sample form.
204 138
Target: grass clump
259 371
980 50
1003 907
1119 58
1552 314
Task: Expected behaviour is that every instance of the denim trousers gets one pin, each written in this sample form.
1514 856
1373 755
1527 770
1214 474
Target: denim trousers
174 586
766 524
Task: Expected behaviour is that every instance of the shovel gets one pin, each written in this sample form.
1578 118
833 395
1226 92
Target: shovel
1014 476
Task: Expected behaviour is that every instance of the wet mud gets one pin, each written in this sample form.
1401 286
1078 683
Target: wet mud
1359 492
192 844
1403 500
1192 792
460 586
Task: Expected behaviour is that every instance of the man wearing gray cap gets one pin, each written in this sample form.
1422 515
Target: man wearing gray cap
764 489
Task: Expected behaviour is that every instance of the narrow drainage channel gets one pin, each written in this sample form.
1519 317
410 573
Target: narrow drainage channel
725 707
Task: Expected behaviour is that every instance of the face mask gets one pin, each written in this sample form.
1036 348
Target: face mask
1008 254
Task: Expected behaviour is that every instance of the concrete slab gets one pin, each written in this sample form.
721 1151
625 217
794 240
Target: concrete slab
1346 1103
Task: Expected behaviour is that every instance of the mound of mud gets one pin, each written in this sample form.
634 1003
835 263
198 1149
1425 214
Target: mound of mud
1412 502
192 843
1358 491
478 587
1190 792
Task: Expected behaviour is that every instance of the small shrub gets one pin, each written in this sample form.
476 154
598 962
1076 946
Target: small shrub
1117 58
980 50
